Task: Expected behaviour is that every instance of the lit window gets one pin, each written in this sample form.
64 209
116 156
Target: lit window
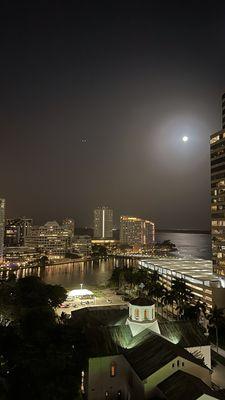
113 369
146 314
214 139
136 313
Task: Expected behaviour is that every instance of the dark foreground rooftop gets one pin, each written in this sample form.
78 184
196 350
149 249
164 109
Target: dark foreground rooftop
187 387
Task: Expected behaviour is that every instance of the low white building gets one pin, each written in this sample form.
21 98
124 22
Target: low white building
134 354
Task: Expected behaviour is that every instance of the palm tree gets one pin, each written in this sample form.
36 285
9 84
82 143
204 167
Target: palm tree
216 319
168 300
181 292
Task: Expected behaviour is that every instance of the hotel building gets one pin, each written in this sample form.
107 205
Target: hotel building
103 223
217 148
50 239
2 227
136 231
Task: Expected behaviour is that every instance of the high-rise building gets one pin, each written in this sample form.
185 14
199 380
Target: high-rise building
103 223
69 225
217 149
2 227
16 231
50 239
136 231
223 111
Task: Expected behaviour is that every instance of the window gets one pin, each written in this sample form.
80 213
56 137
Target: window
136 313
146 314
173 365
113 369
182 364
178 363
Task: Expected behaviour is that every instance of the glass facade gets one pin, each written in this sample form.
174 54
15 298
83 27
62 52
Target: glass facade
217 150
2 227
103 223
136 231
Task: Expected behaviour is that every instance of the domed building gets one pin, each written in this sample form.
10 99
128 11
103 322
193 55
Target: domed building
142 316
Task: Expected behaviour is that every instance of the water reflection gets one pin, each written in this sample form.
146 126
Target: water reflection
71 275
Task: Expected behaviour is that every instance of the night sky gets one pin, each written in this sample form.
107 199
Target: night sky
94 100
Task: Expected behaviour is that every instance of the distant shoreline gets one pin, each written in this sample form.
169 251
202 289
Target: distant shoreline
183 231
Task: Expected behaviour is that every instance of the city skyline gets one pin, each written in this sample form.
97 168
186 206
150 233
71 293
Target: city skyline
95 102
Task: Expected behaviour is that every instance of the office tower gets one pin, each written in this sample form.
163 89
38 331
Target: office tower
223 111
50 239
136 231
103 223
217 150
2 227
69 225
16 231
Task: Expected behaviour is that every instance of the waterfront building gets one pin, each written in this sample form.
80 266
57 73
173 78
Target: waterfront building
81 245
136 231
69 225
217 150
16 230
50 239
103 223
198 274
126 361
20 254
2 227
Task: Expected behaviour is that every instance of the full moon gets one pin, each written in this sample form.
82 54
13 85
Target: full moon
185 138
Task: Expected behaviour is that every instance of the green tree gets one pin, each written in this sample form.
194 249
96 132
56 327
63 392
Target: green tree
182 294
217 321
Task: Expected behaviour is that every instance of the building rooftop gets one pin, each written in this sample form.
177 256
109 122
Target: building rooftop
182 385
80 293
154 352
104 316
185 333
196 271
142 301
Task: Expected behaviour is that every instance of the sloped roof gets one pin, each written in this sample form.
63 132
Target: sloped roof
185 333
104 316
154 352
142 301
182 385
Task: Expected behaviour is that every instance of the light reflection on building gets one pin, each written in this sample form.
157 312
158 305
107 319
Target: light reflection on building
217 146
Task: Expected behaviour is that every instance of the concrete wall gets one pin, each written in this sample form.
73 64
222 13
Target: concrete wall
205 351
218 297
142 313
100 381
137 327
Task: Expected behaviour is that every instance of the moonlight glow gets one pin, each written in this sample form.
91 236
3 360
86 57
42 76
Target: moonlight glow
185 138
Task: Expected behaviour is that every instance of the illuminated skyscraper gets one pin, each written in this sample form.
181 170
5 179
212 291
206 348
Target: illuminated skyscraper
2 227
217 145
69 225
136 231
103 223
16 231
223 111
